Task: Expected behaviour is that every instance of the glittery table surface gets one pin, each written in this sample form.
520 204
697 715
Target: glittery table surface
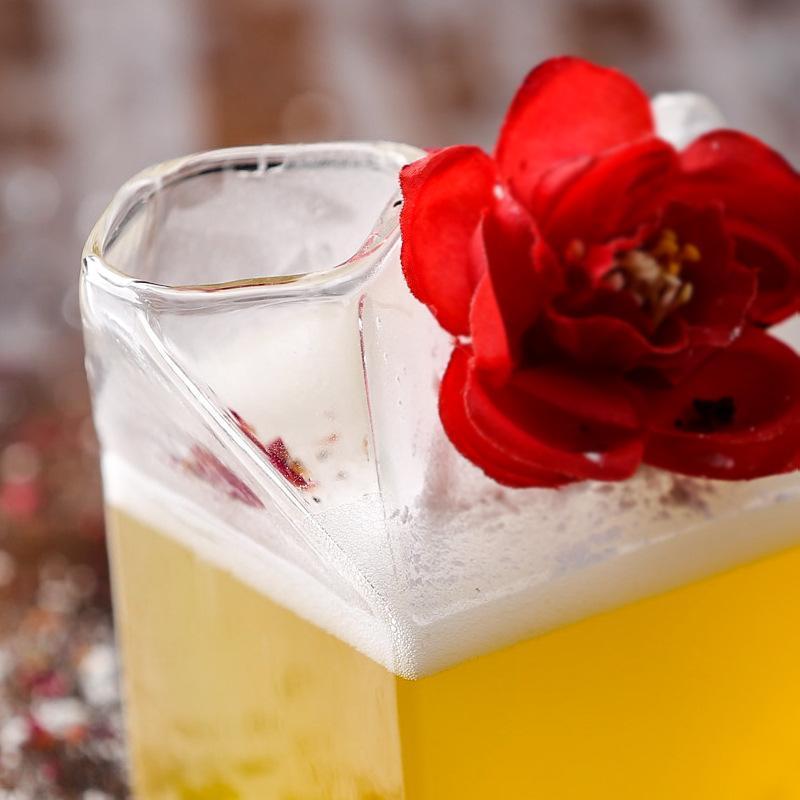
60 716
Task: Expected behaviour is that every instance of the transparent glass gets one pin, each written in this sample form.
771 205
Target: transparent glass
317 597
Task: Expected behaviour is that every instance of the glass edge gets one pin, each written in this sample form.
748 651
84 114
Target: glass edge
143 185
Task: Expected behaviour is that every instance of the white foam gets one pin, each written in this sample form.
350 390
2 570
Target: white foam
465 581
497 569
216 541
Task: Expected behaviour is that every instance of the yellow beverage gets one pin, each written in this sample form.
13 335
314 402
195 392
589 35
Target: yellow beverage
691 694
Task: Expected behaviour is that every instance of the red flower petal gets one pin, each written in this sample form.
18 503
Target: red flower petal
614 342
589 396
615 195
493 351
759 190
755 384
557 422
777 272
474 446
521 277
445 195
565 109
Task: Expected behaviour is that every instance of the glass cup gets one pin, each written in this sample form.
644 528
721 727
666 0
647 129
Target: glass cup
317 597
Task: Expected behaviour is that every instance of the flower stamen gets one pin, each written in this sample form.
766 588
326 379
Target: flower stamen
653 275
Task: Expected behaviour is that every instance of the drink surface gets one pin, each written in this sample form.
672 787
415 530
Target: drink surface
692 693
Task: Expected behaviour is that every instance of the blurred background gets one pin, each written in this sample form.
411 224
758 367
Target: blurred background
91 91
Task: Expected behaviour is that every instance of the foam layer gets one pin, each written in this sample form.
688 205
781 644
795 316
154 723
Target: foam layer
216 541
501 572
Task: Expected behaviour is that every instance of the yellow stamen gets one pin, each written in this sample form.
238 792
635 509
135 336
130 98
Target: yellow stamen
690 252
653 276
674 268
667 245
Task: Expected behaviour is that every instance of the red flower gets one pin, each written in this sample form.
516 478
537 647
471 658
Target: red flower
609 294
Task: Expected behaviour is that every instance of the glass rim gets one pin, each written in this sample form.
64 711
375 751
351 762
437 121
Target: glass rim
129 198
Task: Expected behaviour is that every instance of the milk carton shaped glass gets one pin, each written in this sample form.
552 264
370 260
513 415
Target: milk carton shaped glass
317 597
